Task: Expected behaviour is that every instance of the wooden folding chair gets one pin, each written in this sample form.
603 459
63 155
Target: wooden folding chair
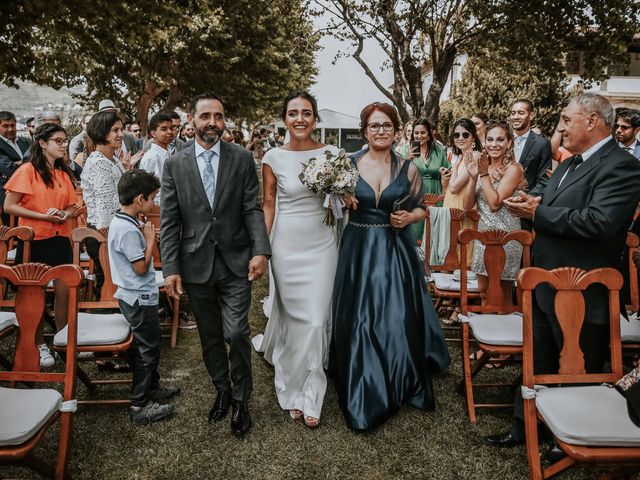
172 304
8 321
495 324
27 413
107 336
630 329
590 422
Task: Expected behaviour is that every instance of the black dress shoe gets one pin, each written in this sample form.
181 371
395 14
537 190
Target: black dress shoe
240 418
504 439
220 407
553 455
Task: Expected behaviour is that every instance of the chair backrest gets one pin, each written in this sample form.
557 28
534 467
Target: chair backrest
633 242
78 218
80 235
494 260
8 236
31 280
569 305
451 260
432 199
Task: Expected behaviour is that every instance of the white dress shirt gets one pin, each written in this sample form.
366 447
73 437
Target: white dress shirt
215 161
153 162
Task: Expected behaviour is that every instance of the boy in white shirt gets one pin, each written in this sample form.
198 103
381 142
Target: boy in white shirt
153 160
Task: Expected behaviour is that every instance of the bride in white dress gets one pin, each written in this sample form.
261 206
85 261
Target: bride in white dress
303 267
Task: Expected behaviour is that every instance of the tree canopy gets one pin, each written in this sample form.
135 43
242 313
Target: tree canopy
427 35
151 54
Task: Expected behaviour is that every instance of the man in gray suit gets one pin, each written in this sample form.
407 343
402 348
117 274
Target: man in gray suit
214 243
626 130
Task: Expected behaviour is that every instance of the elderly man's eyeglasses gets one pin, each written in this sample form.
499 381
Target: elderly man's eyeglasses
375 127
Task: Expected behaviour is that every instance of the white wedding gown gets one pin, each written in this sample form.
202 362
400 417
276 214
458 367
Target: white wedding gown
303 268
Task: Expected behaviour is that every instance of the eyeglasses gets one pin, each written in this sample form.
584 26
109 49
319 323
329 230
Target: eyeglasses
135 130
623 127
464 135
375 127
59 141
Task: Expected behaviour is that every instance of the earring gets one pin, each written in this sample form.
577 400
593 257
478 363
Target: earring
474 145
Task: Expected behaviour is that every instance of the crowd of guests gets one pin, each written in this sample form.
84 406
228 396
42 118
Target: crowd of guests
513 176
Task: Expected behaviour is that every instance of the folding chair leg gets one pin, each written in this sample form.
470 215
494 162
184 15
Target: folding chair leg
66 425
466 373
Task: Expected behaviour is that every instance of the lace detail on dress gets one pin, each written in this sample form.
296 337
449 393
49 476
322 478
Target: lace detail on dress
100 188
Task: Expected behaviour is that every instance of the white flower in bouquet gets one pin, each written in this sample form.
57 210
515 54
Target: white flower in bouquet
335 176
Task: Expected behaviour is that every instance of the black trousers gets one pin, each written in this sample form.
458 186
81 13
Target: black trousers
145 350
93 250
547 343
221 308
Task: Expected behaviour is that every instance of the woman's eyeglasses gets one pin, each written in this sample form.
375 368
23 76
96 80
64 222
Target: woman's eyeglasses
60 141
464 135
375 127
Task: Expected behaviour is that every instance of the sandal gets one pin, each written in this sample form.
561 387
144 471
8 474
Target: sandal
295 414
311 422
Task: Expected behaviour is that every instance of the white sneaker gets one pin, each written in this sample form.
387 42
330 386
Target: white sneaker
46 359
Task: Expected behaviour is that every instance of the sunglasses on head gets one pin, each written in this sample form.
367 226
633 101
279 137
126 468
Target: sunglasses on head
623 127
464 135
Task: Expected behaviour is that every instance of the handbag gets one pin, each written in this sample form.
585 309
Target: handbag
629 388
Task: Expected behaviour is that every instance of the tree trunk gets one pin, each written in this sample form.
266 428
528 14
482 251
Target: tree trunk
174 100
441 68
144 102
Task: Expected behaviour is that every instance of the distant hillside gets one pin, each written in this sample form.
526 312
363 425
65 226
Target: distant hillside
30 99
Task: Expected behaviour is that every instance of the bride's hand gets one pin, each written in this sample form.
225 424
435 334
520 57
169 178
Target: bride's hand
350 202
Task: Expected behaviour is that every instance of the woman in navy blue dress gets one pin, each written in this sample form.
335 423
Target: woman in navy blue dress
386 338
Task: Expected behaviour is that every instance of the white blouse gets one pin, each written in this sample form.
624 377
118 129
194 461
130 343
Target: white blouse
99 179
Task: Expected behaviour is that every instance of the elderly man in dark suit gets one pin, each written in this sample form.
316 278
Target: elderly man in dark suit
532 151
14 151
580 221
214 242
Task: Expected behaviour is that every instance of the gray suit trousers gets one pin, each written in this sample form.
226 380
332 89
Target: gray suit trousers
221 308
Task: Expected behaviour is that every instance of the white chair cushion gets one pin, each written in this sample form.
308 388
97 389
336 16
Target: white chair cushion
11 255
505 330
446 281
7 319
590 415
84 257
24 412
97 329
159 279
630 330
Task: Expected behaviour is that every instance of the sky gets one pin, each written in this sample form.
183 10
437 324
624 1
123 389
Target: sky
344 87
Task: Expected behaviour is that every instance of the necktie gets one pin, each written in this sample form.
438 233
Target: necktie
172 148
628 149
209 176
576 161
519 145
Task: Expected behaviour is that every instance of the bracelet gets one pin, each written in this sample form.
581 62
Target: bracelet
483 175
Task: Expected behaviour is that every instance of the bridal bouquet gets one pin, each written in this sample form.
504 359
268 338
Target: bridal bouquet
334 176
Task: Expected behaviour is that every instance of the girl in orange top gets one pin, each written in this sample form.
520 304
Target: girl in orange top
41 194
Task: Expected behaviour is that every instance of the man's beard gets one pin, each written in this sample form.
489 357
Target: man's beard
209 134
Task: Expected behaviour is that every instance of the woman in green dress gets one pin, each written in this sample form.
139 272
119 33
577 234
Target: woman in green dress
431 160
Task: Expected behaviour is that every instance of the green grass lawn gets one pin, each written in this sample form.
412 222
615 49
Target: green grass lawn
416 445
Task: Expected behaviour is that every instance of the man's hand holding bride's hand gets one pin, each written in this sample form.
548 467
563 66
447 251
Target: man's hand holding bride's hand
257 267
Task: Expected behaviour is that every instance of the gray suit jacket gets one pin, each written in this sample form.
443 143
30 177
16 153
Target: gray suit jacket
190 229
8 159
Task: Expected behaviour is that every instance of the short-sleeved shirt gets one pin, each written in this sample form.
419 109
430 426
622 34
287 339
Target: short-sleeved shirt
36 196
127 246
